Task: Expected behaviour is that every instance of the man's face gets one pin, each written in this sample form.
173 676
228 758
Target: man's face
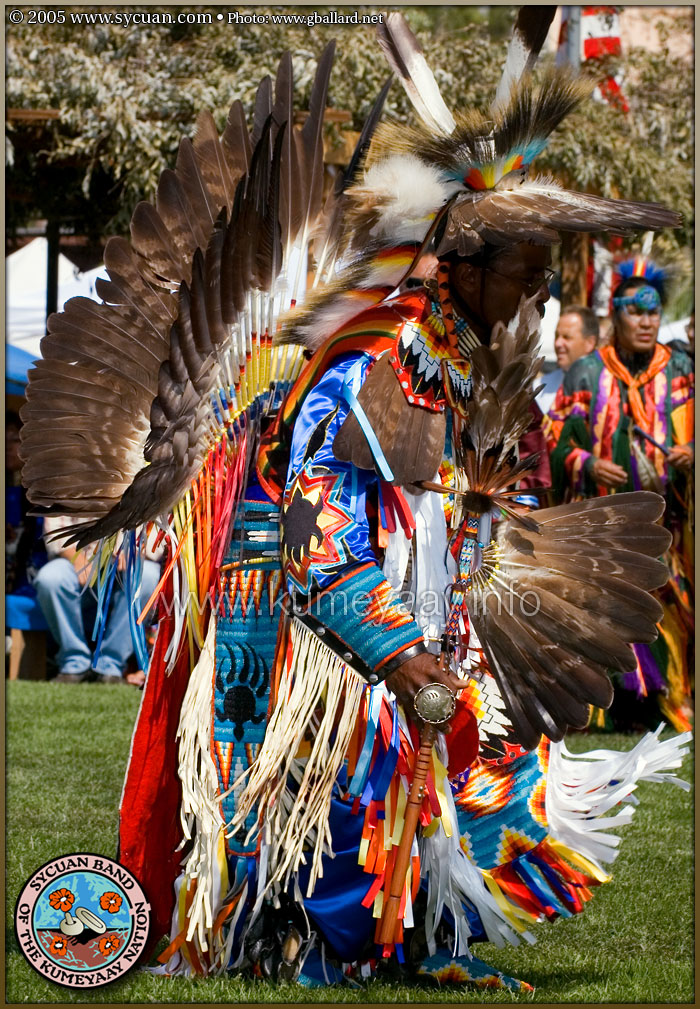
636 331
492 293
569 342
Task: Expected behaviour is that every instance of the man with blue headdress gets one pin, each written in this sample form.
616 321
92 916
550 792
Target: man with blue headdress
626 423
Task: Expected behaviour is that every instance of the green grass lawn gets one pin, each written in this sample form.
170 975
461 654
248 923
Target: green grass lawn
66 752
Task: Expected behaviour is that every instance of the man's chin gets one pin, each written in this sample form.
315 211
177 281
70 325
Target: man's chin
643 346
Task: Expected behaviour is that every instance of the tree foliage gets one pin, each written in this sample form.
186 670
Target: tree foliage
127 93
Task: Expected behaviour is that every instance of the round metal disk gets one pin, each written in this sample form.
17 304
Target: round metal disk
434 703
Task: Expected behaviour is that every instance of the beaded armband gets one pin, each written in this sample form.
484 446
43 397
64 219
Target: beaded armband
361 618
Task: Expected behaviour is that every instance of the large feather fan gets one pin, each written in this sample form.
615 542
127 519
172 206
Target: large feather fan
131 395
555 609
557 596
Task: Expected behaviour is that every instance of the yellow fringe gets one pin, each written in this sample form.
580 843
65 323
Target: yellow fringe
578 860
517 917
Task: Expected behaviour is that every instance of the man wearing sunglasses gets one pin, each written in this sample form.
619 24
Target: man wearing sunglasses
626 423
487 288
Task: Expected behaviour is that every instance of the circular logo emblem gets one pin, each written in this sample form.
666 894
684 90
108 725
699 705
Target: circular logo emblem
82 920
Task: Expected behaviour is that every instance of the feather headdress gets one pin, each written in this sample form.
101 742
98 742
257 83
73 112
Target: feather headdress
641 266
478 163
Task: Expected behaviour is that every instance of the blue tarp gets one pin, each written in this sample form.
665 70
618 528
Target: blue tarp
17 364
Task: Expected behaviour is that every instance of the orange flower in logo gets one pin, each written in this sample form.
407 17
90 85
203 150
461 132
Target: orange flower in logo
58 946
110 902
109 944
61 900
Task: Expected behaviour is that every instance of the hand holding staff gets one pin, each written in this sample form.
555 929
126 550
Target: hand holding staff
434 704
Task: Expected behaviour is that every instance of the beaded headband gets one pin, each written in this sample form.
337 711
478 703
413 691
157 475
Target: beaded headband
646 299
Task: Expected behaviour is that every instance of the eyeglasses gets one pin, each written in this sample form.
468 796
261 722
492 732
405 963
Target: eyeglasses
531 286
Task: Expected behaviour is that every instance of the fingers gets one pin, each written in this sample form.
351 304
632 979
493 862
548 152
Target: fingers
458 682
681 458
608 473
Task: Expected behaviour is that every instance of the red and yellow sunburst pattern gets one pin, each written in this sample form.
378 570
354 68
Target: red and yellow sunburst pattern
487 790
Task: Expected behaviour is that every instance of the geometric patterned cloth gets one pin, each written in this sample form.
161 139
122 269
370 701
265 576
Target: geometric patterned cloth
246 636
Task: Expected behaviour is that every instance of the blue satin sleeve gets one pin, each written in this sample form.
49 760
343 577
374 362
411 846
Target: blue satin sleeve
326 549
324 520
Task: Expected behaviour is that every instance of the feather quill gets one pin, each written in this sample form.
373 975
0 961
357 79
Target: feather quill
283 117
213 165
236 142
334 234
262 110
187 169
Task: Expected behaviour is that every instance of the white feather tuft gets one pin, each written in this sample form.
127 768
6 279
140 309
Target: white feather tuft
543 183
409 193
328 319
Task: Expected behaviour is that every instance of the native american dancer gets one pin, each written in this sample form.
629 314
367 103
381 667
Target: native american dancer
336 591
624 421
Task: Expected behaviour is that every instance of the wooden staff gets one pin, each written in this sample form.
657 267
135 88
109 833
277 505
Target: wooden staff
434 703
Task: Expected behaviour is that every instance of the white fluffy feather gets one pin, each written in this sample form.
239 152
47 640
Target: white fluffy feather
409 193
324 322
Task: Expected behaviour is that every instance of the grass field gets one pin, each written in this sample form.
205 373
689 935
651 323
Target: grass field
66 752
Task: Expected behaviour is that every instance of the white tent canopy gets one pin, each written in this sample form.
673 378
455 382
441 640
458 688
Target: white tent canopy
25 292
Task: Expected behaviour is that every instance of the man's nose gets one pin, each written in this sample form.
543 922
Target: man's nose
543 293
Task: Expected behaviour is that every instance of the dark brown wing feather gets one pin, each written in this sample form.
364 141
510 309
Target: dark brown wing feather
538 211
129 381
555 609
219 172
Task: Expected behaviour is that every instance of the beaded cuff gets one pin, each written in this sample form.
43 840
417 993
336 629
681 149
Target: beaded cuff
361 618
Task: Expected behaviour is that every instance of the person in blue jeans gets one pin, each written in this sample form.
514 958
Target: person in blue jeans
69 609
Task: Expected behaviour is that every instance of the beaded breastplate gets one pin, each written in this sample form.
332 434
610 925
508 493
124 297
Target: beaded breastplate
423 354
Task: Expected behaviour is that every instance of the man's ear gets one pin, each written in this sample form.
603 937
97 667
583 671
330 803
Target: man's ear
465 279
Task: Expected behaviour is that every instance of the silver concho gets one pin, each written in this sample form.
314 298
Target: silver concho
434 703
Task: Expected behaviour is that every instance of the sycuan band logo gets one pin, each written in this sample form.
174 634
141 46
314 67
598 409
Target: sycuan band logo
82 920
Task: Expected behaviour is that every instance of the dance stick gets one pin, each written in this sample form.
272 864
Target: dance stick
434 704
